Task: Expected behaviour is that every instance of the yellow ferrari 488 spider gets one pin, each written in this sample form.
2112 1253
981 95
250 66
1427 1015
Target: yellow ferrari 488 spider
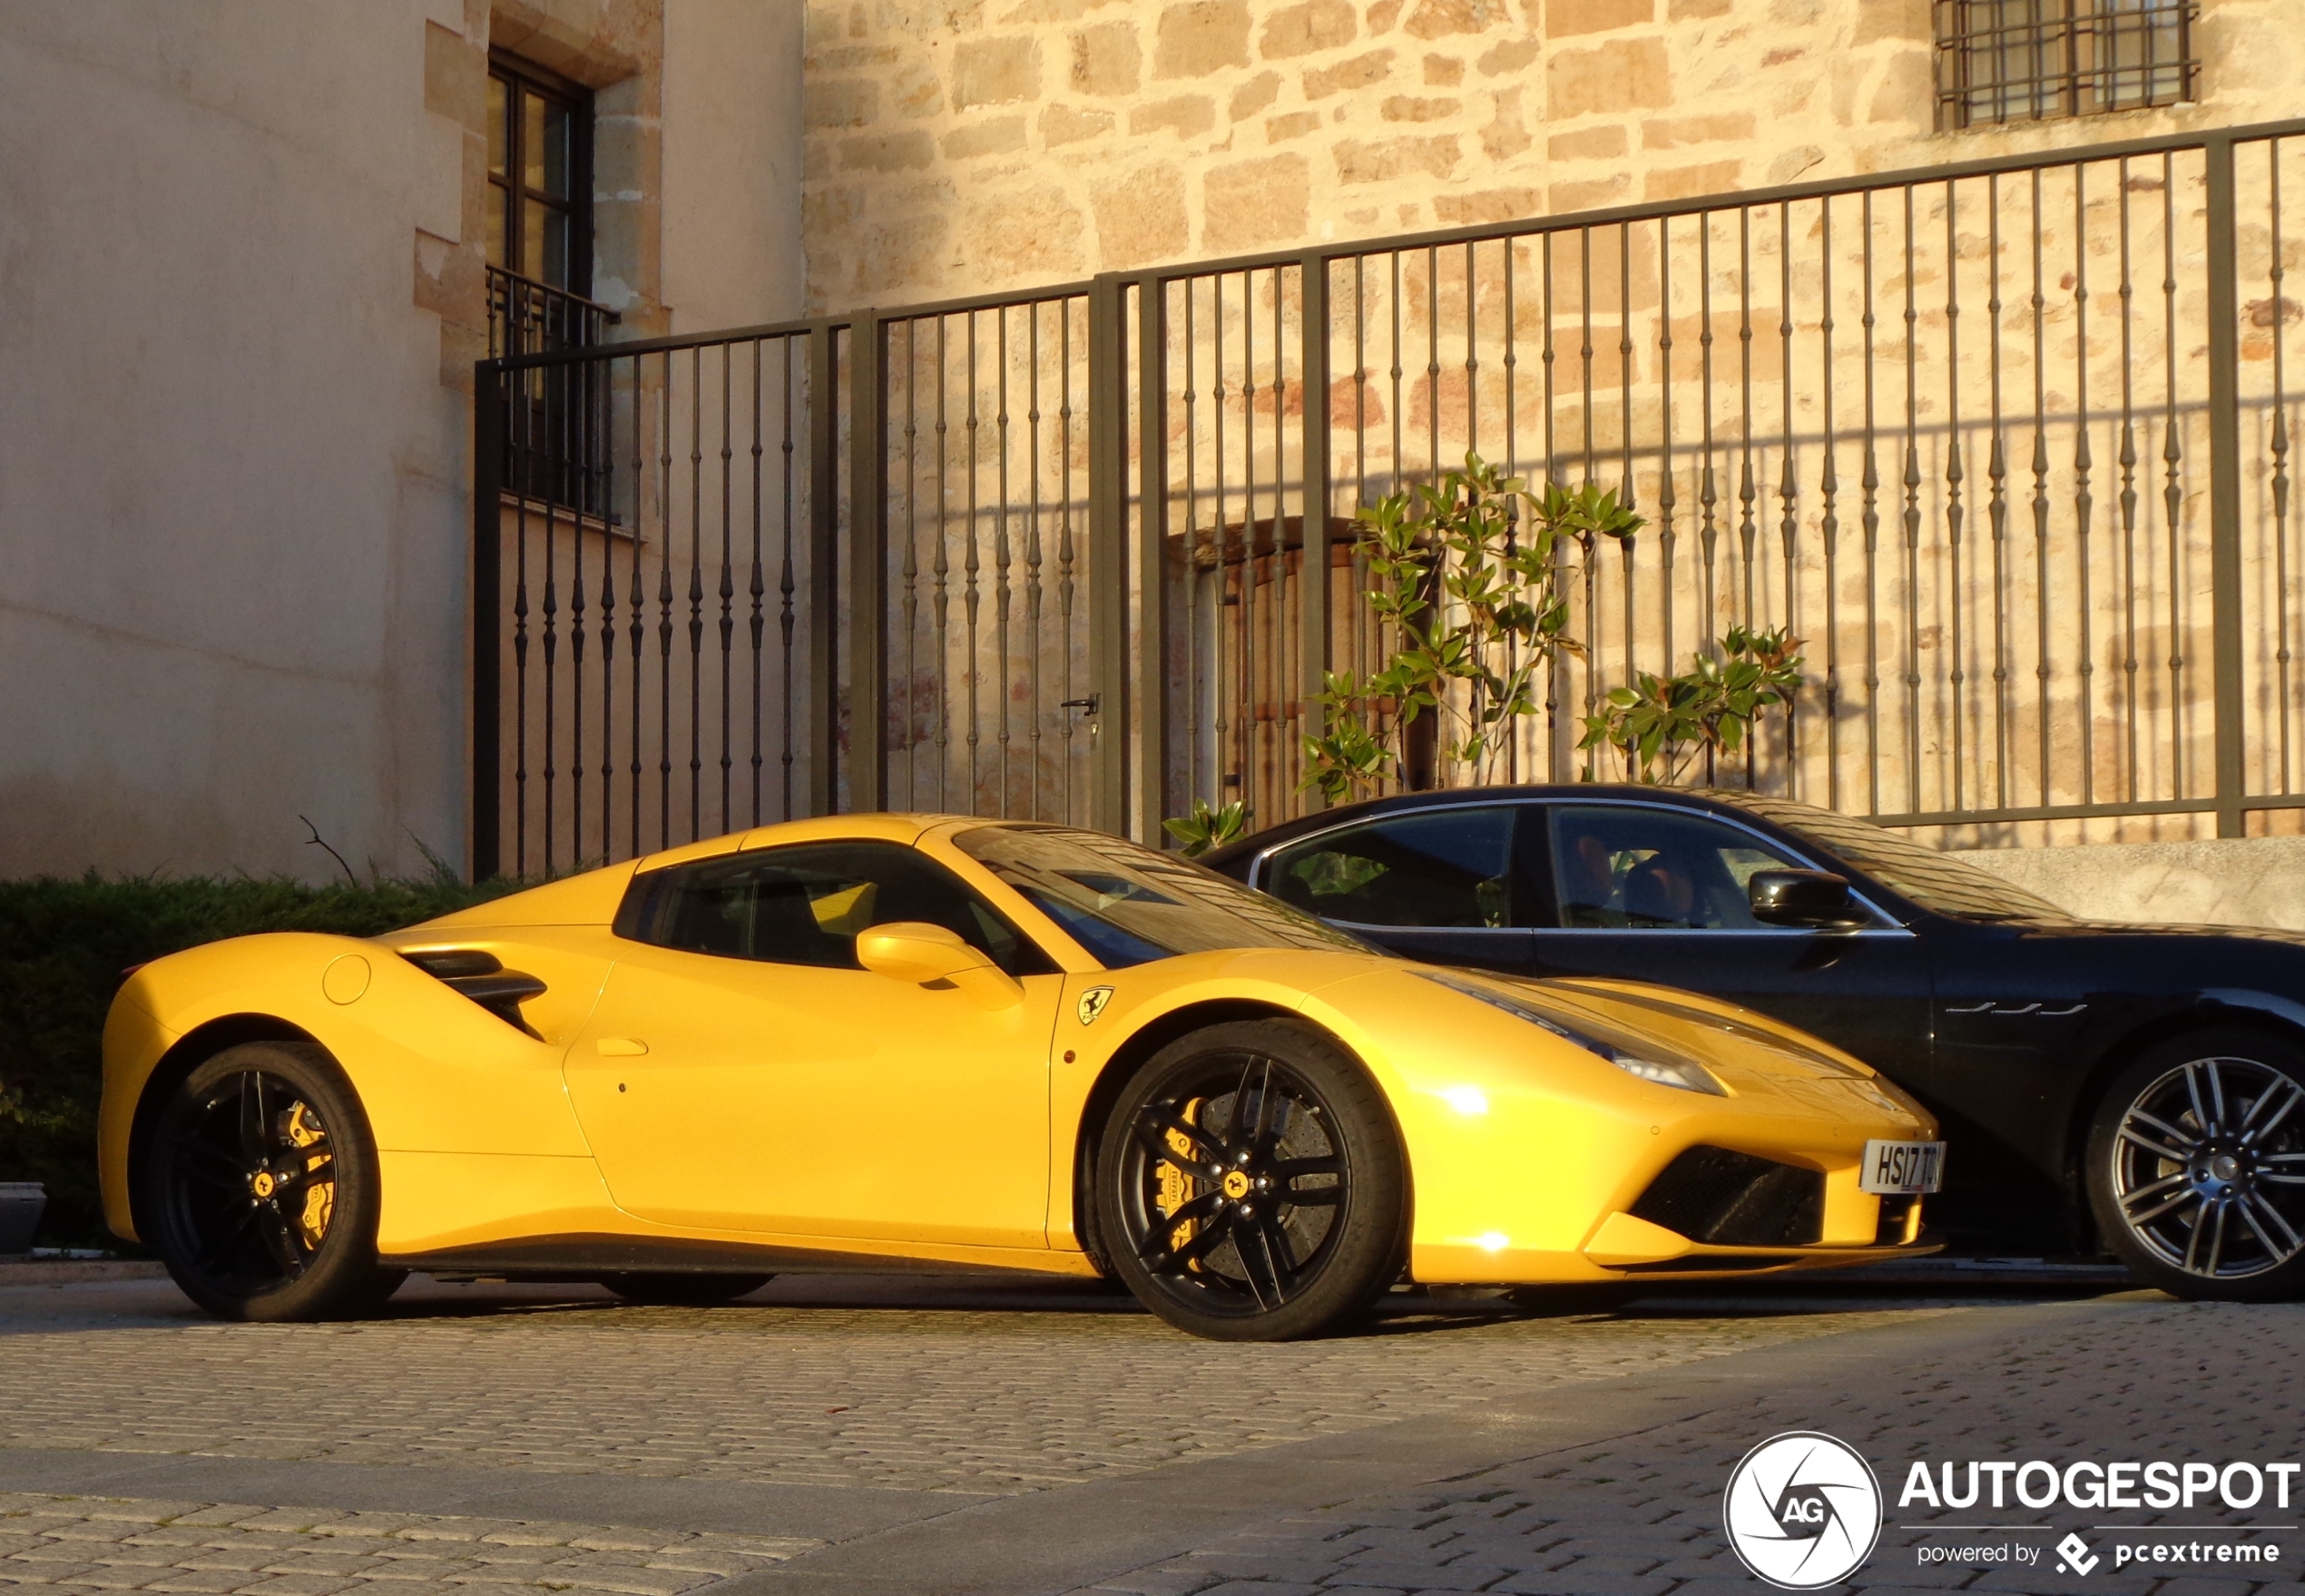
881 1043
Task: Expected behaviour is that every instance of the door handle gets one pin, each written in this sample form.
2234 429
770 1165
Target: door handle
621 1047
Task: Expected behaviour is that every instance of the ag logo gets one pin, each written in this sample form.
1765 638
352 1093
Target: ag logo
1802 1510
1093 1004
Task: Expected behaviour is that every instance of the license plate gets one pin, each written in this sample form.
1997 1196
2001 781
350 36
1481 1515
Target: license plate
1902 1169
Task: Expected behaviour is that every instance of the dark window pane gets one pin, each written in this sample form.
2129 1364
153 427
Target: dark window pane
499 199
1438 868
554 228
499 134
534 225
532 140
550 160
1633 868
805 905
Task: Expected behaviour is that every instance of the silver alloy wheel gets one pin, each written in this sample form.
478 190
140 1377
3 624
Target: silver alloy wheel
2209 1168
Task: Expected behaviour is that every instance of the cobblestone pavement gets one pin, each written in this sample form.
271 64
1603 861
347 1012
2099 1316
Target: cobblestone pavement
968 1401
1640 1515
918 1439
212 1549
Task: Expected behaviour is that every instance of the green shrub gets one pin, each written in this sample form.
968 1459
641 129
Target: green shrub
63 944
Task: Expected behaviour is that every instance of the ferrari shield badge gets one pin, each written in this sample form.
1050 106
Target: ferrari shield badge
1093 1004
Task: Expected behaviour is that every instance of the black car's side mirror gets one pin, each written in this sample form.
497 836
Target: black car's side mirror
1812 898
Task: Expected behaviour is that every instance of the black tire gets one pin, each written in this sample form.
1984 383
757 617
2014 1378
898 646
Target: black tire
1289 1173
670 1289
260 1188
2196 1167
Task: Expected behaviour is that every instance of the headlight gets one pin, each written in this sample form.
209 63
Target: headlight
1634 1056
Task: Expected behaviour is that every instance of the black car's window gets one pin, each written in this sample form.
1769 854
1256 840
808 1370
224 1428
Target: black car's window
1936 881
1434 867
1632 868
1128 905
804 905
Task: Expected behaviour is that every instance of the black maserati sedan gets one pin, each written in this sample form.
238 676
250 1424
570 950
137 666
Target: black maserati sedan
2135 1088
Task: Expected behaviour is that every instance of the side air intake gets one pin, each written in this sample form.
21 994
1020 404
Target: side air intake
482 977
1726 1199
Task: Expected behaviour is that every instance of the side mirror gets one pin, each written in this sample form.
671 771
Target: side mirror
1813 899
924 955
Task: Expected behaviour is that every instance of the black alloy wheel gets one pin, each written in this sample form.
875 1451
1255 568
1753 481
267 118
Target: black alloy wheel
670 1288
2197 1168
1251 1184
261 1190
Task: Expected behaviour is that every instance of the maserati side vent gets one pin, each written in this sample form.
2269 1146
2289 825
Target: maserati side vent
482 977
1726 1199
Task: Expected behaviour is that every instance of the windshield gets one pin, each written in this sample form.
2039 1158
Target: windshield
1935 880
1128 905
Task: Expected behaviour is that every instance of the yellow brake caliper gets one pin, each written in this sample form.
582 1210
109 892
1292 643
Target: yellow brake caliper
319 1196
1176 1186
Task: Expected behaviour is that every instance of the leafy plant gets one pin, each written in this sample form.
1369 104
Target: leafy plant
1466 576
1205 828
1662 723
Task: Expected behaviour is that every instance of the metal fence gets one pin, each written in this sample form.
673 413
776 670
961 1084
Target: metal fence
2007 444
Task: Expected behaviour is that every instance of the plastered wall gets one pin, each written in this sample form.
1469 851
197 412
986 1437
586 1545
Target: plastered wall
241 245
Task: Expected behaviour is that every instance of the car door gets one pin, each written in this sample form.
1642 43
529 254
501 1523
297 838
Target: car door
1654 892
742 1072
1445 883
2019 1012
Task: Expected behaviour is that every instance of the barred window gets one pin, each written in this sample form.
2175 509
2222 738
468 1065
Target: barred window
2025 60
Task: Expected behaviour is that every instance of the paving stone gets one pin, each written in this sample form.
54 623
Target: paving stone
251 1556
989 1402
1639 1515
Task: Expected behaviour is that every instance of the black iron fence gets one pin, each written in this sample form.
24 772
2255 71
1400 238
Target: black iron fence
2007 444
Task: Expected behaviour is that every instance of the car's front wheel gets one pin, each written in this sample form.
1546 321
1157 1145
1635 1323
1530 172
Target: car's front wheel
261 1190
2196 1167
1251 1184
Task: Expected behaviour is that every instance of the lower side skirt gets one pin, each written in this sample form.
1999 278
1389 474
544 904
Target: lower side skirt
561 1259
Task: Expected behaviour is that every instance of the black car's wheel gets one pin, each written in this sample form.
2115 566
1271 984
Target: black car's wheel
261 1190
680 1290
1251 1186
2197 1167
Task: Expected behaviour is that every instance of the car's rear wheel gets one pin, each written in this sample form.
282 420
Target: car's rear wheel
261 1193
2197 1167
670 1289
1250 1184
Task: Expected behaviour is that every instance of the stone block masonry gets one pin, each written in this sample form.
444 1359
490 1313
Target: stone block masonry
1123 133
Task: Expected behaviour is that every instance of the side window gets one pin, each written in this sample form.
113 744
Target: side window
1432 868
1633 868
805 904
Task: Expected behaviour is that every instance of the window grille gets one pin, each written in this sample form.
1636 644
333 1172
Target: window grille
2000 60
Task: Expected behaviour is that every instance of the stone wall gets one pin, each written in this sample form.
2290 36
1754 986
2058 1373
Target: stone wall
2238 881
963 146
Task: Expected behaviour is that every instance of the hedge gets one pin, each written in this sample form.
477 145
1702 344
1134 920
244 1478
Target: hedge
63 945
